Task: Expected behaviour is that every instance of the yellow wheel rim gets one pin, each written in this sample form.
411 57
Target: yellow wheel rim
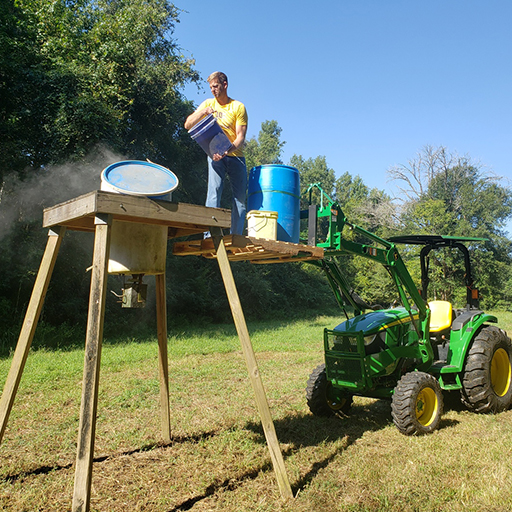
426 406
336 405
500 372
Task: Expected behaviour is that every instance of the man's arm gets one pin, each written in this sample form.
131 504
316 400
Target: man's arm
241 132
196 116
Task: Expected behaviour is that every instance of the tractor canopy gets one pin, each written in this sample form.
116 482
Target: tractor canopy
435 242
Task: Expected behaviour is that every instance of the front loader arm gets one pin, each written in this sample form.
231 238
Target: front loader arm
378 250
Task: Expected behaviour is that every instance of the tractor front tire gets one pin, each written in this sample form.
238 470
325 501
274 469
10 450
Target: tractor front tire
487 378
323 399
417 404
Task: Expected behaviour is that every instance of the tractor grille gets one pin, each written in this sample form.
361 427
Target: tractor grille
347 371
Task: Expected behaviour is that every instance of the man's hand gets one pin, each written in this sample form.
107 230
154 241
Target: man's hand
196 116
217 156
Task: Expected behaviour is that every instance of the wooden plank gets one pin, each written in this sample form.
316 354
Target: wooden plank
178 232
29 325
79 213
92 358
254 374
242 248
283 259
78 208
163 363
191 248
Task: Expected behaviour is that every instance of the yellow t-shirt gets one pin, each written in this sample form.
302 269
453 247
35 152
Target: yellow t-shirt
228 116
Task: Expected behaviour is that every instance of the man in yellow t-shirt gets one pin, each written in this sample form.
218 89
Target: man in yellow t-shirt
232 118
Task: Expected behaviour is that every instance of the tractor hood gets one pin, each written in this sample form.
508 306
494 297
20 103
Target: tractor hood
375 321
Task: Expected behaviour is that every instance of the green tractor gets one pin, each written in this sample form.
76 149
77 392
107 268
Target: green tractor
411 353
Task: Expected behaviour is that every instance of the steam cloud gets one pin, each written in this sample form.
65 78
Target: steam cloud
46 187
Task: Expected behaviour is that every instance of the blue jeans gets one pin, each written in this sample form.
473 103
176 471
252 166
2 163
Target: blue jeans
234 167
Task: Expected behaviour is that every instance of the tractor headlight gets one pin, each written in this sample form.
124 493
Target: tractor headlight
340 343
368 340
374 343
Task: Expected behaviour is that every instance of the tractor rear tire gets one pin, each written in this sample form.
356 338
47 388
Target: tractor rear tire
417 404
487 377
323 399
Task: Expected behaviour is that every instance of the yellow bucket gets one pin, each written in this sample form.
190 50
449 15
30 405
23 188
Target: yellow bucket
262 224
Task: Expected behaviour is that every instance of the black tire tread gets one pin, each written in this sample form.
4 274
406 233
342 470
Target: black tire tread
403 405
316 397
477 393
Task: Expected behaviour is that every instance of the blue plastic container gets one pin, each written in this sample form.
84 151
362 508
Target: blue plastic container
277 188
139 178
201 124
209 135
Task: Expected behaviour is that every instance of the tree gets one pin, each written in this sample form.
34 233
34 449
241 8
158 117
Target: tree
19 72
85 83
87 71
371 209
350 190
445 194
313 170
267 148
452 195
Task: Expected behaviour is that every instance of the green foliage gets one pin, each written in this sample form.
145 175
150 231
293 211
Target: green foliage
371 282
267 148
448 195
19 76
350 192
371 209
314 170
266 291
90 71
75 74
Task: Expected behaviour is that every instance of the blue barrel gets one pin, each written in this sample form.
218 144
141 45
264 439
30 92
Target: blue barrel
276 188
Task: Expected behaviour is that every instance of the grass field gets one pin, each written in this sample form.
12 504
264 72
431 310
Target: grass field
218 459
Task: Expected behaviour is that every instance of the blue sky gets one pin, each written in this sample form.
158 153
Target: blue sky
365 83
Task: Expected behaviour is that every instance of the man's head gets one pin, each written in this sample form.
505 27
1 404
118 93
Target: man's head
218 76
218 84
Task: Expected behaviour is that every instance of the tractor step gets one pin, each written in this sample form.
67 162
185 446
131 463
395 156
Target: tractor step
442 367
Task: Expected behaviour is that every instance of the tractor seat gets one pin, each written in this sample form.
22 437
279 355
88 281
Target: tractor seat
441 316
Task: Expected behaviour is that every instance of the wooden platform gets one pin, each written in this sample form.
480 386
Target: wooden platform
256 250
182 219
96 212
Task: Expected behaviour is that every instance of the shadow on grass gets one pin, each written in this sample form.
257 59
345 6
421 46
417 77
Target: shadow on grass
228 484
296 431
293 432
44 470
306 430
452 401
302 431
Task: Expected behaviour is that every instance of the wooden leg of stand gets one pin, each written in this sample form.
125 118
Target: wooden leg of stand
252 366
29 325
94 338
163 364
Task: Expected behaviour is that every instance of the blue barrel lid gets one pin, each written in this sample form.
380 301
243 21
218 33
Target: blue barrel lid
270 167
140 178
